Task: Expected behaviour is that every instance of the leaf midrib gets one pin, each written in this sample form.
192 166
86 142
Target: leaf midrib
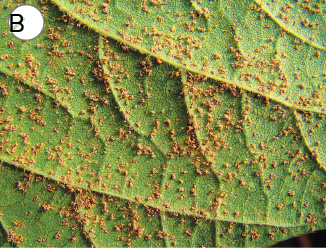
187 213
187 68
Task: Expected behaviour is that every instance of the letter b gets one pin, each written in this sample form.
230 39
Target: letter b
20 22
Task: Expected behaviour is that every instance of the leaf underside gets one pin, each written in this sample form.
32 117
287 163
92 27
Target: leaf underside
163 123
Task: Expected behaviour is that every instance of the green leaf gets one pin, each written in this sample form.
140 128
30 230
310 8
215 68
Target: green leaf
110 221
37 212
3 239
123 114
254 45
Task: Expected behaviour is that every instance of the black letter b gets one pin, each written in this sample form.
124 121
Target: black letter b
12 23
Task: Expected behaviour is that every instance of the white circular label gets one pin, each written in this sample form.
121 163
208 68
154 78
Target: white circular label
26 22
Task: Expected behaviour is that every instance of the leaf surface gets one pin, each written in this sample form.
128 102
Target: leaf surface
37 212
254 45
145 144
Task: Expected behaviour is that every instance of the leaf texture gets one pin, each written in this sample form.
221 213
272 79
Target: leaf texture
163 123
